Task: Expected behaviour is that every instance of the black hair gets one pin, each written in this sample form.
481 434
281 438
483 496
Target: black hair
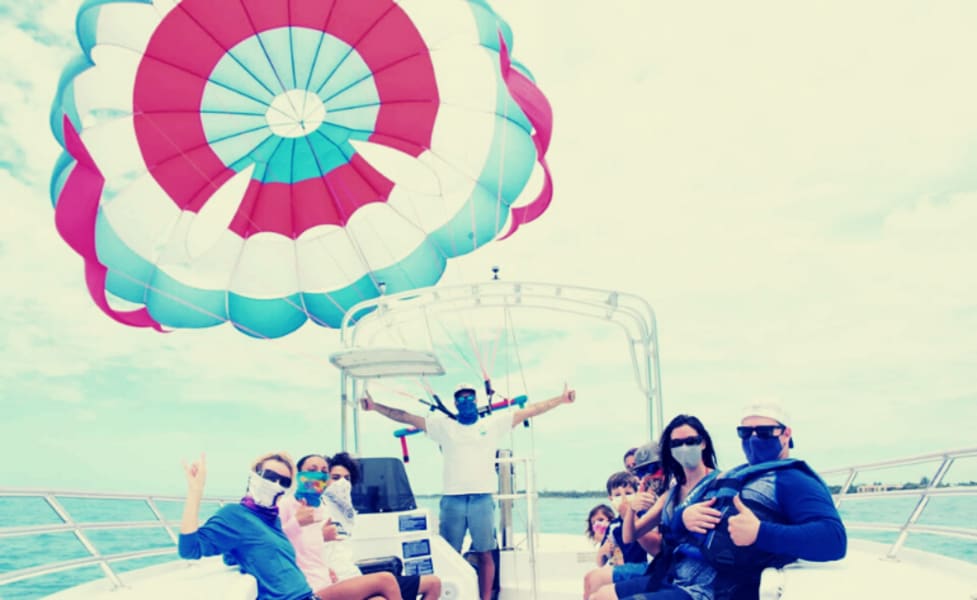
630 452
621 479
670 466
343 459
298 465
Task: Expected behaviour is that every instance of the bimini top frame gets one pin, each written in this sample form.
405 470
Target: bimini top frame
366 320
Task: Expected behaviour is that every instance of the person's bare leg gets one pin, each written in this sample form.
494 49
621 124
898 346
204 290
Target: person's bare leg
486 574
375 585
606 592
595 579
430 587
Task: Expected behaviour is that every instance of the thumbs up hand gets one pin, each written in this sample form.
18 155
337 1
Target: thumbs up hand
744 526
329 531
304 514
645 498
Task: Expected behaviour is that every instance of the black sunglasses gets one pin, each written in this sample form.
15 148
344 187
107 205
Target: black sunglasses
648 469
692 440
283 480
764 432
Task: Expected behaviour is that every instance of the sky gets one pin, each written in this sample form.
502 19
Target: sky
792 186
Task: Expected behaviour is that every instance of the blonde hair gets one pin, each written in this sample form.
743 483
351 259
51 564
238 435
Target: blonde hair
282 457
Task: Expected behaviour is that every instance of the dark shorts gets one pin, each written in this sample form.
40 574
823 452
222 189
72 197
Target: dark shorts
632 586
631 591
409 585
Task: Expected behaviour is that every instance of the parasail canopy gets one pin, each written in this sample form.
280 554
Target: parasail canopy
269 163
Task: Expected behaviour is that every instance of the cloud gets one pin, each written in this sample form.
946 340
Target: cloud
792 187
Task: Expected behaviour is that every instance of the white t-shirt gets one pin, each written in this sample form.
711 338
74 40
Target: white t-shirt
469 451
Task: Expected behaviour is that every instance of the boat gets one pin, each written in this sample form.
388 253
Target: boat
532 565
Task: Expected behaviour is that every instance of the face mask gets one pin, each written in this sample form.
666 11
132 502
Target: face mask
340 492
311 484
689 457
758 450
467 412
599 528
263 492
341 489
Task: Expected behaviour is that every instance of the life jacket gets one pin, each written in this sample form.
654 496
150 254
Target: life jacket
760 497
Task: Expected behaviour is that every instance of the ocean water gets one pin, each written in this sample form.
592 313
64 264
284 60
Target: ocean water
556 515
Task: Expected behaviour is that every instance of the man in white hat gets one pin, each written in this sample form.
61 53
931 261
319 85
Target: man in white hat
782 512
468 444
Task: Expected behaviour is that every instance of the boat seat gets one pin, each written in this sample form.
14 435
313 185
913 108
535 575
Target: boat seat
863 570
391 564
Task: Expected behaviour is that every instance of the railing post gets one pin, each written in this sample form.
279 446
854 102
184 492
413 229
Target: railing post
531 532
920 506
848 483
506 488
92 550
159 517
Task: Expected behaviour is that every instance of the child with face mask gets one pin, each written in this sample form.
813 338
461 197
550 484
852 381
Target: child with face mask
598 520
617 559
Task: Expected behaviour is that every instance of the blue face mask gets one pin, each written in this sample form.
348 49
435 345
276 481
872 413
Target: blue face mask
758 450
467 412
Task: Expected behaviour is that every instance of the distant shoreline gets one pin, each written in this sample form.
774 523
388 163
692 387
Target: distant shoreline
854 489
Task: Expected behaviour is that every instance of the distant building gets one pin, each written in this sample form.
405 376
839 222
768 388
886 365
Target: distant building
866 488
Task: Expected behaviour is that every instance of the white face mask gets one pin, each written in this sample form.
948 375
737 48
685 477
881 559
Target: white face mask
340 492
263 492
688 456
341 488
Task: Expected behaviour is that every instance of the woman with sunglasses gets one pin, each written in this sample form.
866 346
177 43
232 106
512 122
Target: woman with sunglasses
678 572
250 535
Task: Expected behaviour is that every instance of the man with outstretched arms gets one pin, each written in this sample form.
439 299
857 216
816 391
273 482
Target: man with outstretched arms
468 444
766 513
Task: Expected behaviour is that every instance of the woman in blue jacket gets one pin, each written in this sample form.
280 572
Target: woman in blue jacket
249 534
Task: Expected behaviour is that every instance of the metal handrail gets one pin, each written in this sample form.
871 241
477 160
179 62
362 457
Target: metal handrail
946 460
530 495
67 565
70 525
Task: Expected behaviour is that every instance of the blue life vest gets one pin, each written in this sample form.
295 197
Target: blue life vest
760 497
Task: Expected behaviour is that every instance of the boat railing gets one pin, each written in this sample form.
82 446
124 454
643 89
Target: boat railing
930 487
508 493
81 529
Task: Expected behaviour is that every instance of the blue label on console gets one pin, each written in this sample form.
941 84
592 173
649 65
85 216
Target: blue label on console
413 523
421 566
417 548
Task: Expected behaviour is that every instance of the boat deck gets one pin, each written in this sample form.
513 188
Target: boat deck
562 561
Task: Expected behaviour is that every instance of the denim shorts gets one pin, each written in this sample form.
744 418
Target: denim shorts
472 512
628 571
